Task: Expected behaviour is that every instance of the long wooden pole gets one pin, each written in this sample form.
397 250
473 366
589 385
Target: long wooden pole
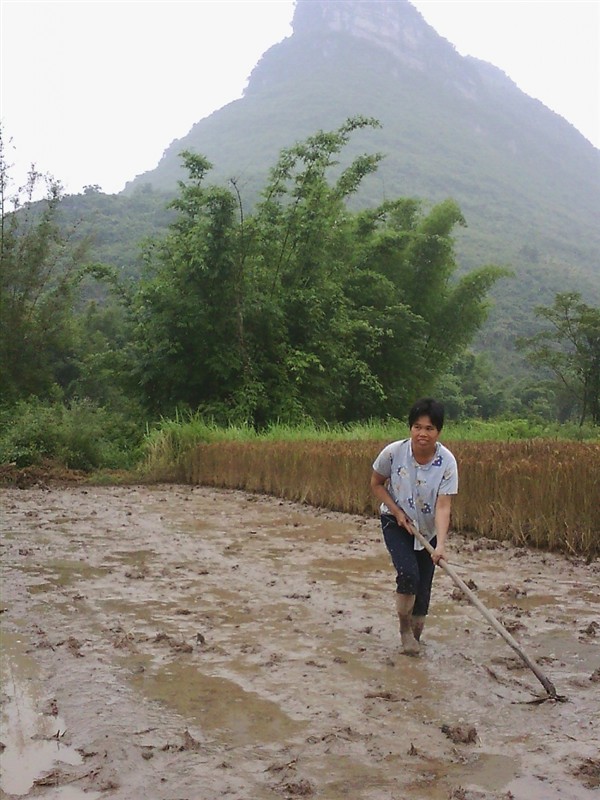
496 625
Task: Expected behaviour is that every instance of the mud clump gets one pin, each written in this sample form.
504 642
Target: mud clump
512 591
512 625
391 697
52 778
591 631
39 476
472 794
174 644
483 543
588 772
189 743
460 596
301 788
74 646
460 734
50 708
137 574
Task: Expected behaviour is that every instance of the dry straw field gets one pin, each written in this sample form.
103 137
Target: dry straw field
538 492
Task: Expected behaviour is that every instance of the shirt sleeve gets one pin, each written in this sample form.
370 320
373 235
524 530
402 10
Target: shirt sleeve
383 462
449 482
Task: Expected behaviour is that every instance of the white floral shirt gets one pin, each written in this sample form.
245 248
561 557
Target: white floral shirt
415 487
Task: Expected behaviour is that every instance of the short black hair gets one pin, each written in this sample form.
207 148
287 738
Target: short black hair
427 407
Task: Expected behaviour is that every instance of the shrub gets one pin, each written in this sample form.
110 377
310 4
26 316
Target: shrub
79 435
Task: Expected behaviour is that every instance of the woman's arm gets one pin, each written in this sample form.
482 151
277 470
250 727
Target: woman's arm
442 524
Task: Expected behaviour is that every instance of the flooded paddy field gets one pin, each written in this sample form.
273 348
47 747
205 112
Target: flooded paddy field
185 643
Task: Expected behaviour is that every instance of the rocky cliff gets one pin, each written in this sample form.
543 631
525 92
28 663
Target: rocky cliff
391 25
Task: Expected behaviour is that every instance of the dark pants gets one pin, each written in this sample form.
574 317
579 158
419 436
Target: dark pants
414 568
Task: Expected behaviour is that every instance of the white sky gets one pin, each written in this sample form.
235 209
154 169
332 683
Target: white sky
93 92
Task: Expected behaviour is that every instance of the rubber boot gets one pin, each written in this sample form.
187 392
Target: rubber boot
404 607
417 624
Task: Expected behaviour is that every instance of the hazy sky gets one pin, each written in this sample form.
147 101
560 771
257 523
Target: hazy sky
93 92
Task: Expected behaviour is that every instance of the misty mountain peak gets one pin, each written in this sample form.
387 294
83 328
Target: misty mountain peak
394 25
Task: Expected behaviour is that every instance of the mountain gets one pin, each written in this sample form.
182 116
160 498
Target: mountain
526 180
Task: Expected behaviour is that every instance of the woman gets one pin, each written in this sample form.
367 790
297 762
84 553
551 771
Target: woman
414 479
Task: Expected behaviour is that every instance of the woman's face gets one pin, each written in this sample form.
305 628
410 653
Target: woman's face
423 435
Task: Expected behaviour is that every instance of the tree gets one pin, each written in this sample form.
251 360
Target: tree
570 349
50 346
305 243
434 315
189 326
302 308
470 389
239 315
38 274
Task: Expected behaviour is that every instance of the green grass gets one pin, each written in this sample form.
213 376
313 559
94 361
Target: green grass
194 428
172 439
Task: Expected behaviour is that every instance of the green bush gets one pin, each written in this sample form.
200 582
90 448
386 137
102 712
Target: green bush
79 435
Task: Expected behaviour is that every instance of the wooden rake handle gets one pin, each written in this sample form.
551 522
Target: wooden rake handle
496 625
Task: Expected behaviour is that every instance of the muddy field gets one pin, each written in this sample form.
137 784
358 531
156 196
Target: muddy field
178 643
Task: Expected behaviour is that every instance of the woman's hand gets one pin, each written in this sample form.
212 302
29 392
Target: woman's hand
404 521
439 552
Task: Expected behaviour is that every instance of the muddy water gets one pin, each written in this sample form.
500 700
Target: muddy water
32 738
169 642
